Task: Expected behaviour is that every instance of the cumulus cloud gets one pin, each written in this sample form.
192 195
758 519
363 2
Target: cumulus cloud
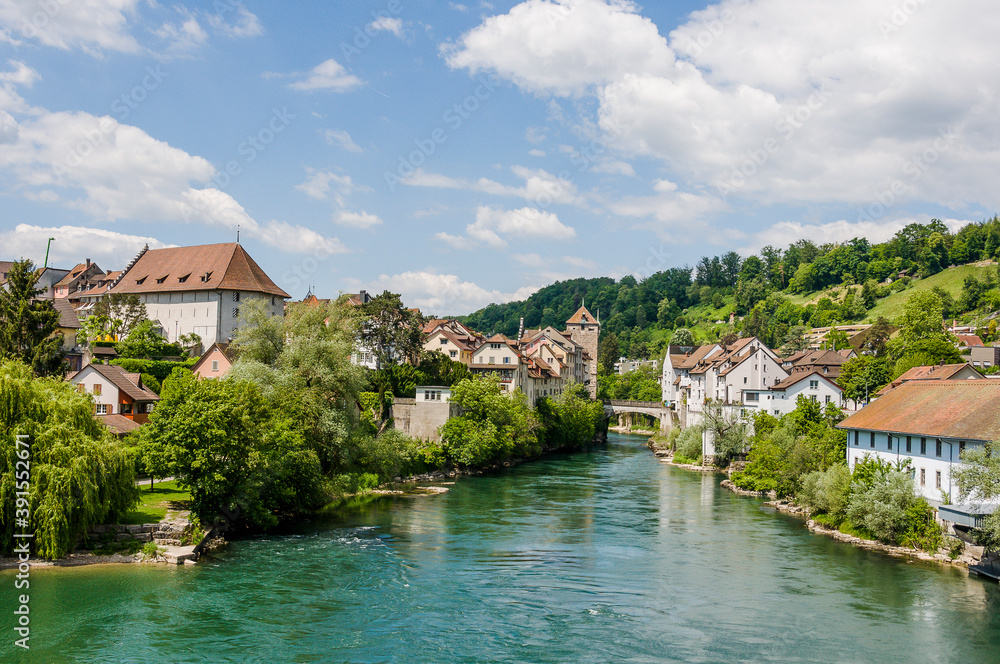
108 249
670 213
441 294
747 101
493 227
296 239
93 26
182 38
563 48
387 24
244 24
327 75
356 219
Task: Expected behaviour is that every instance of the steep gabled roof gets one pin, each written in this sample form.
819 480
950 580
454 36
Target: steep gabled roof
67 314
129 383
581 316
931 372
202 267
969 339
798 376
960 409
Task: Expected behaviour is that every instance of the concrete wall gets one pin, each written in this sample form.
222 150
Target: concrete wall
422 419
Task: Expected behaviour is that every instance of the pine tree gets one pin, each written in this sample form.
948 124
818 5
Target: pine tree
28 324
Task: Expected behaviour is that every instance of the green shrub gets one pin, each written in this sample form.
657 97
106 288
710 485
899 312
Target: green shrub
150 550
883 508
826 491
689 445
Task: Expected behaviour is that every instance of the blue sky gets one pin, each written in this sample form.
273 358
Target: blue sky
468 153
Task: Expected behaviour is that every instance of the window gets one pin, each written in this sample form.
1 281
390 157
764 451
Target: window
506 360
744 380
937 479
215 365
453 353
102 409
826 399
814 385
937 448
493 360
855 437
961 447
97 389
871 439
888 440
909 444
923 477
752 396
236 297
777 412
184 278
161 280
443 341
274 300
125 409
923 446
149 407
80 387
495 346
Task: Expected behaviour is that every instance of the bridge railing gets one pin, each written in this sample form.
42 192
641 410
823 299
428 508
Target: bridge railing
633 404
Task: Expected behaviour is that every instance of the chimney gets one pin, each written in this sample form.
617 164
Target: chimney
88 262
520 329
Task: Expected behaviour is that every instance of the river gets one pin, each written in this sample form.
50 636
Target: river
607 556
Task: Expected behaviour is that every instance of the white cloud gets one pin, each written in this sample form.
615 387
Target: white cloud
72 244
321 185
291 238
441 294
341 138
534 152
748 101
387 24
356 219
563 47
492 226
182 38
328 75
613 167
672 214
246 23
540 187
92 25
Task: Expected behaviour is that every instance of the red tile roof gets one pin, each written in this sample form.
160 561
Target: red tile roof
118 424
203 267
930 372
969 340
129 383
798 376
961 409
581 316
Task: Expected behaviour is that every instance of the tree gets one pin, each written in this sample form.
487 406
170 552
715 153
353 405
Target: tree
607 353
877 338
861 377
390 331
922 317
28 325
80 475
303 360
836 339
144 341
728 432
794 341
493 426
120 313
978 479
243 456
682 337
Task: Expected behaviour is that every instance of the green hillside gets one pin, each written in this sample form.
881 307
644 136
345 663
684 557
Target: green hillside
950 280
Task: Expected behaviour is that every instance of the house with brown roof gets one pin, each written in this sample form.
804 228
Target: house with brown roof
782 398
584 329
115 391
216 361
928 423
828 362
964 371
69 327
199 289
77 279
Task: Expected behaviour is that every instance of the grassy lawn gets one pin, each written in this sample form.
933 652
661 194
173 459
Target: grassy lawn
951 280
154 503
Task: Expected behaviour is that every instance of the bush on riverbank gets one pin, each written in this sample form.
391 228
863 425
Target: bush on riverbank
688 446
876 501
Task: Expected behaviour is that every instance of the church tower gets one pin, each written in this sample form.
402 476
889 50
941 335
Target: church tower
586 330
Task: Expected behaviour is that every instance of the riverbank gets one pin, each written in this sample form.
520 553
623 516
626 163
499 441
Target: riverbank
970 555
665 455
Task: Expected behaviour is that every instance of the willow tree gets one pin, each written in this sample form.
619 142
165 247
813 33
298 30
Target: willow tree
79 475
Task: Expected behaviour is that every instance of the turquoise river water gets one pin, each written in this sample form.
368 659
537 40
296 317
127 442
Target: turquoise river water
607 556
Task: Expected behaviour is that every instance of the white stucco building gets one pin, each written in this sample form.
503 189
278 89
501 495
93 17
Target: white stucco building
199 289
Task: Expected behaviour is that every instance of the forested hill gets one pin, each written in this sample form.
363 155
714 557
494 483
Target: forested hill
770 293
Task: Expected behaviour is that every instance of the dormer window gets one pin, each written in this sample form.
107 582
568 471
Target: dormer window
184 278
162 279
138 282
205 277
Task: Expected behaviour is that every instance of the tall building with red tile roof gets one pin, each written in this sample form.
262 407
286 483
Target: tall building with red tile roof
585 330
199 289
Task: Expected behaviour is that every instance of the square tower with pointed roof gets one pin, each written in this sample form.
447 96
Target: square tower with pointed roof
585 330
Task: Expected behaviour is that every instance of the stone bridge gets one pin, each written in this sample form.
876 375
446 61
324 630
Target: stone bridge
614 408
